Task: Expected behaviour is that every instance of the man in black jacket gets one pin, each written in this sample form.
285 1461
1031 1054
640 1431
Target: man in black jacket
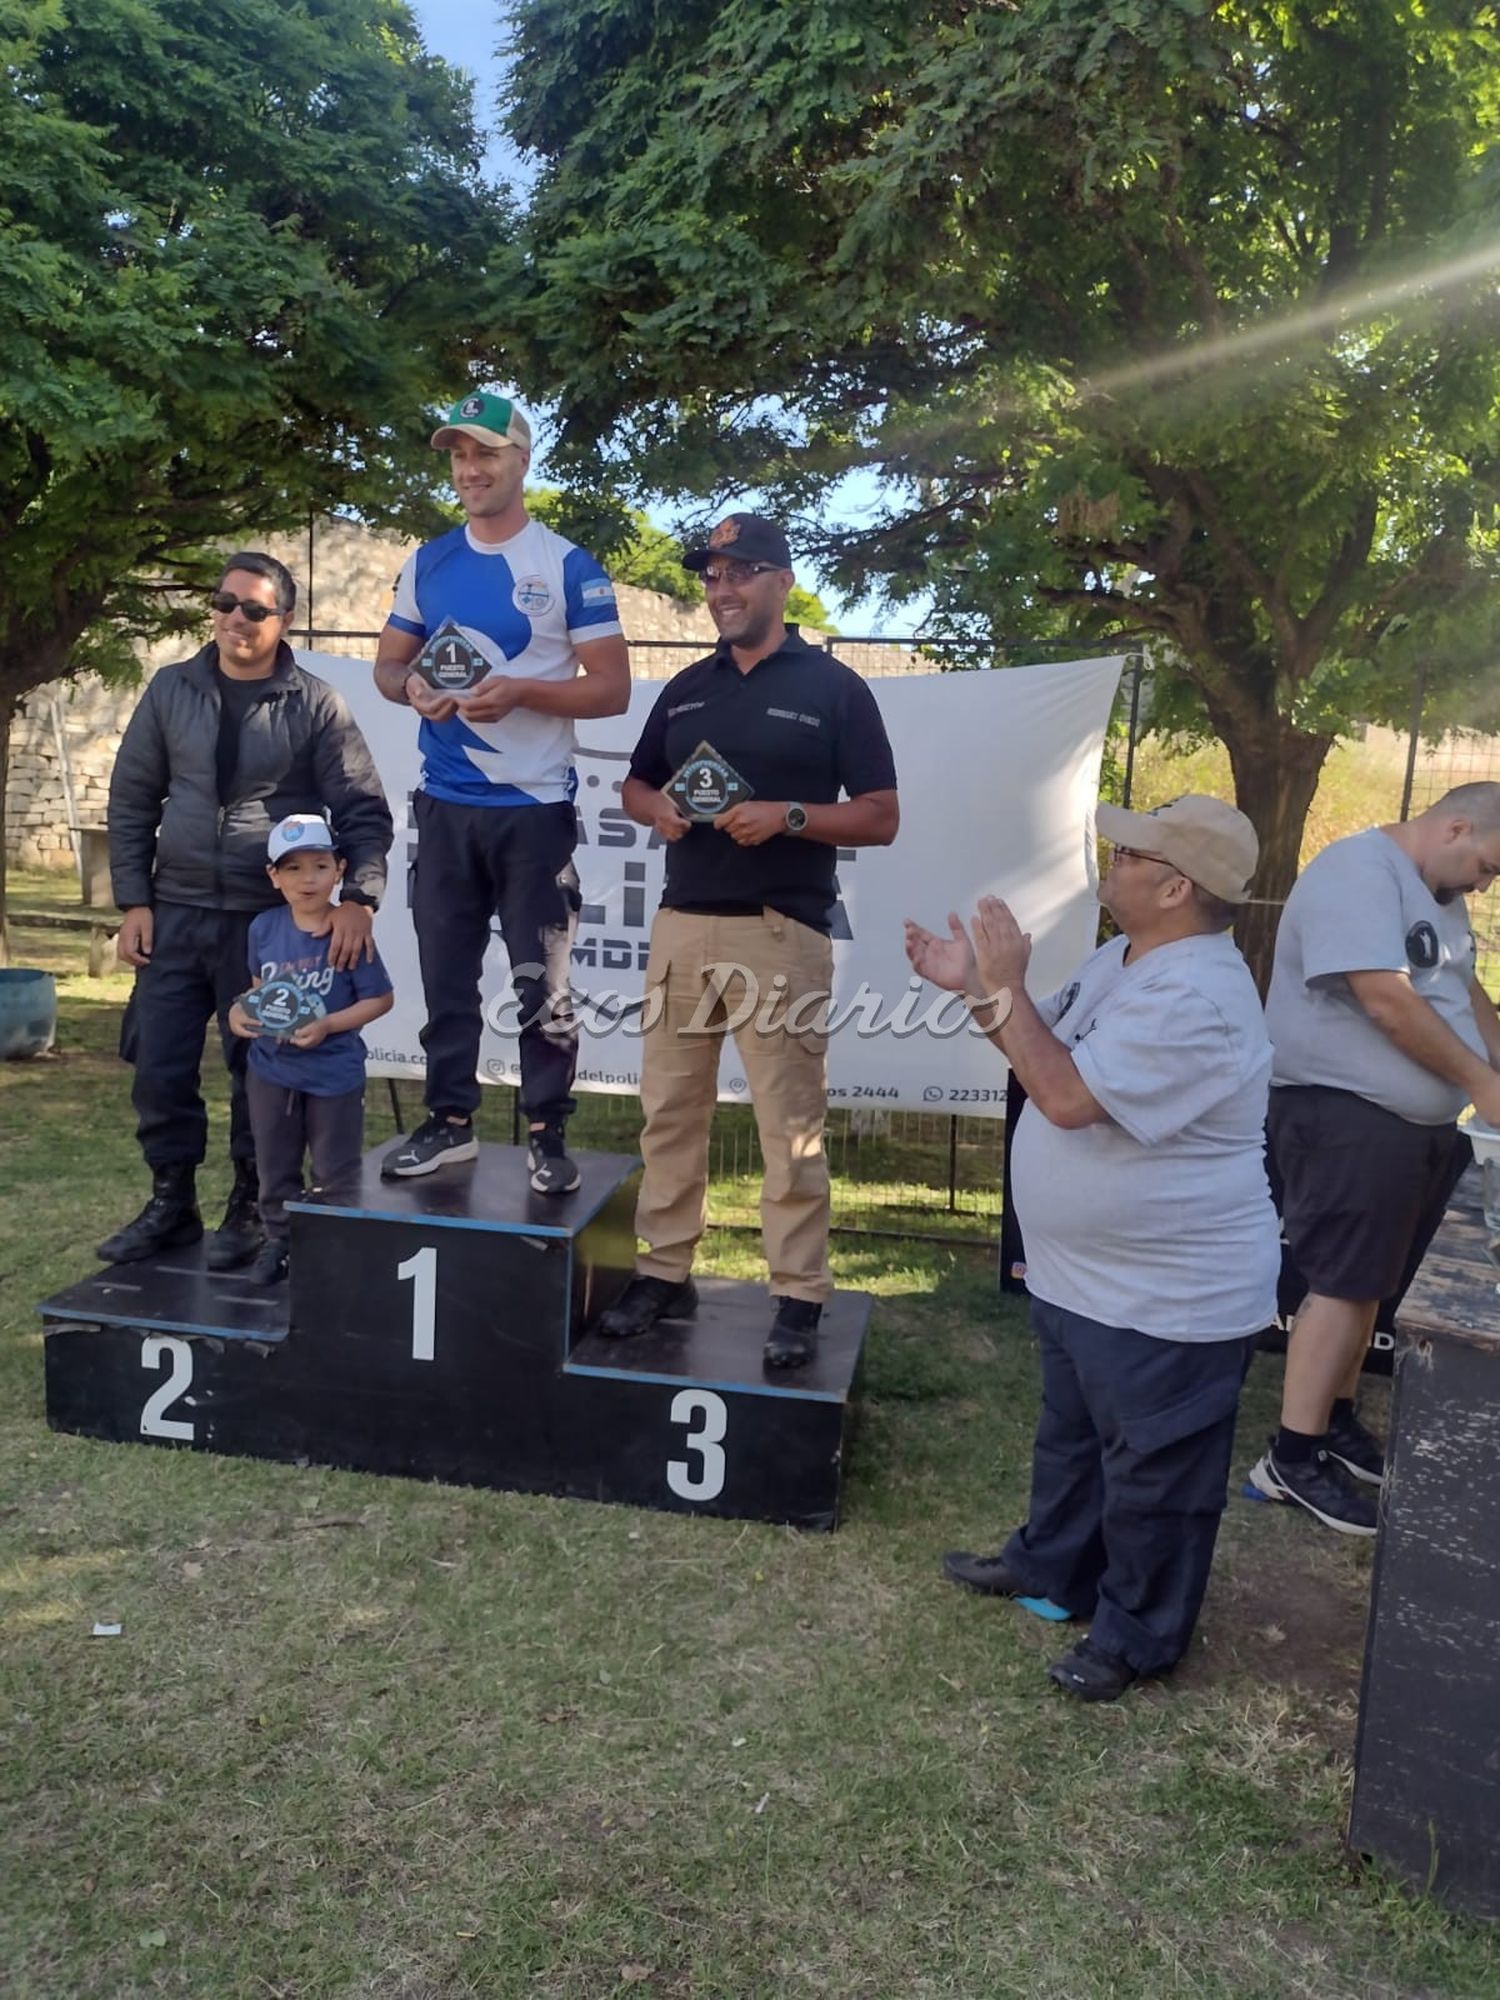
219 749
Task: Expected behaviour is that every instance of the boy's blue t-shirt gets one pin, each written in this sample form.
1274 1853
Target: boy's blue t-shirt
279 950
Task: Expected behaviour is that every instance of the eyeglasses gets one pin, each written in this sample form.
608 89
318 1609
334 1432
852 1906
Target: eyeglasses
222 601
1119 853
737 572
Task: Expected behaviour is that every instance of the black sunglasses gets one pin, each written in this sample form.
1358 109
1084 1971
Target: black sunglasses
223 601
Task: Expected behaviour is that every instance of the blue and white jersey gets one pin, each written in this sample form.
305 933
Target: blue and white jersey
526 604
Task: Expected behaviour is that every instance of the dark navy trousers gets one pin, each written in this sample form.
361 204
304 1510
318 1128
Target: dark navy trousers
199 966
1128 1480
514 864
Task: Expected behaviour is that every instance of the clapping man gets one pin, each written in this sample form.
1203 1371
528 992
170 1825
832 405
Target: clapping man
1151 1242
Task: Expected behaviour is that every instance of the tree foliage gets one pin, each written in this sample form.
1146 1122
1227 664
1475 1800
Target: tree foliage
1172 318
634 549
241 248
640 553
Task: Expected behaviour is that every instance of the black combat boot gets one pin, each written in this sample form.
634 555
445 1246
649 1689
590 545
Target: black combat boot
169 1219
240 1234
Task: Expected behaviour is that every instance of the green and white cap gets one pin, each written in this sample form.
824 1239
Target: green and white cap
492 419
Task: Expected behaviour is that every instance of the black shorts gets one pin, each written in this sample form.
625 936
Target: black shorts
1361 1191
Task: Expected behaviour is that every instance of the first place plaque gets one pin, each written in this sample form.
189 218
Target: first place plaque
450 661
280 1007
707 785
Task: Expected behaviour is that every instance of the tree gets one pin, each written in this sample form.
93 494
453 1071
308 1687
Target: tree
1164 319
638 552
634 549
242 244
805 607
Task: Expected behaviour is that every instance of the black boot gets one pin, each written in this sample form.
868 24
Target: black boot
646 1300
240 1234
169 1219
793 1339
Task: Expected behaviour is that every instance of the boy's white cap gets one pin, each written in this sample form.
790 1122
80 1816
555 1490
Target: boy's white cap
297 831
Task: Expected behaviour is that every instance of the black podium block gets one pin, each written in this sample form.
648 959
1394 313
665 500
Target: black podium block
437 1328
1426 1773
686 1418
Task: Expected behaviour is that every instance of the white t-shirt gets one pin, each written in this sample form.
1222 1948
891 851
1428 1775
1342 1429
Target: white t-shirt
1159 1218
1362 906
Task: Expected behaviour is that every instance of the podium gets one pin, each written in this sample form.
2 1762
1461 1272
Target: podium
1426 1798
440 1328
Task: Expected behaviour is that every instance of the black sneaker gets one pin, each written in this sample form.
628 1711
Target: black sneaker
1356 1449
240 1234
986 1574
1314 1485
269 1264
168 1221
1092 1674
793 1339
552 1172
437 1142
643 1302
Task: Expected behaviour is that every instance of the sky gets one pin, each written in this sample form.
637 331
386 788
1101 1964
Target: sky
467 33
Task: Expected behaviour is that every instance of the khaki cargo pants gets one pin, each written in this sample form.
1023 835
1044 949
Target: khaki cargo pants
767 980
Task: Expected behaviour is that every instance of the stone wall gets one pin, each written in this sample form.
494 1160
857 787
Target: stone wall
88 718
352 573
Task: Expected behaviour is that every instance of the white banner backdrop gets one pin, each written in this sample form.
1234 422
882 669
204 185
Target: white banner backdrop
998 775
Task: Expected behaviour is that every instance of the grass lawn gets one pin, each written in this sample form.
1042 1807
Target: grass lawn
367 1737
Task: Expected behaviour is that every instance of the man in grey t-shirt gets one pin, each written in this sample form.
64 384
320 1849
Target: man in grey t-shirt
1151 1241
1382 1035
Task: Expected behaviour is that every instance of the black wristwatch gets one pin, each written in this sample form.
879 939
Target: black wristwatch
796 819
359 896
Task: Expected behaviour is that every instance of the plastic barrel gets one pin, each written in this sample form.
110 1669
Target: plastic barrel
28 1012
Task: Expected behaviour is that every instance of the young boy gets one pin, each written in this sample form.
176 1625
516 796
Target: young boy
306 1089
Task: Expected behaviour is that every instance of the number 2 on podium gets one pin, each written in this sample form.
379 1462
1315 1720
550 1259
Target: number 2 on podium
421 1268
157 1348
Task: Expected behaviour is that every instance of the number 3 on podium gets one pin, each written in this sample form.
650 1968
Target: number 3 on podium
706 1480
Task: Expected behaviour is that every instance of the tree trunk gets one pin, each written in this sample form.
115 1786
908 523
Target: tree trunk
25 665
7 716
1276 771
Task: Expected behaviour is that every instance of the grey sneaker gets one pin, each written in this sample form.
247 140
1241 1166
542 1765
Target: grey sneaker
552 1172
435 1143
269 1265
1316 1487
1356 1449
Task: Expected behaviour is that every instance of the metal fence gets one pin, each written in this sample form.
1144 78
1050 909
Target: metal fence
874 656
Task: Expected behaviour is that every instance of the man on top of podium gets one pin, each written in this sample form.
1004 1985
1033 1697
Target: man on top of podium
739 770
490 626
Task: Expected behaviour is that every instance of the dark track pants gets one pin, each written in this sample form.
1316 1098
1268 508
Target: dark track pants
476 863
291 1126
199 964
1129 1472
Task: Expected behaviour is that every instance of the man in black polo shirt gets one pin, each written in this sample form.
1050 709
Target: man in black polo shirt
741 942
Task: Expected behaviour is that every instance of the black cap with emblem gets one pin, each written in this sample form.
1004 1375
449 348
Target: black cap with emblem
742 538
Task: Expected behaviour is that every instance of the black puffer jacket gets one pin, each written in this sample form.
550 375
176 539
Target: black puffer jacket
170 838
